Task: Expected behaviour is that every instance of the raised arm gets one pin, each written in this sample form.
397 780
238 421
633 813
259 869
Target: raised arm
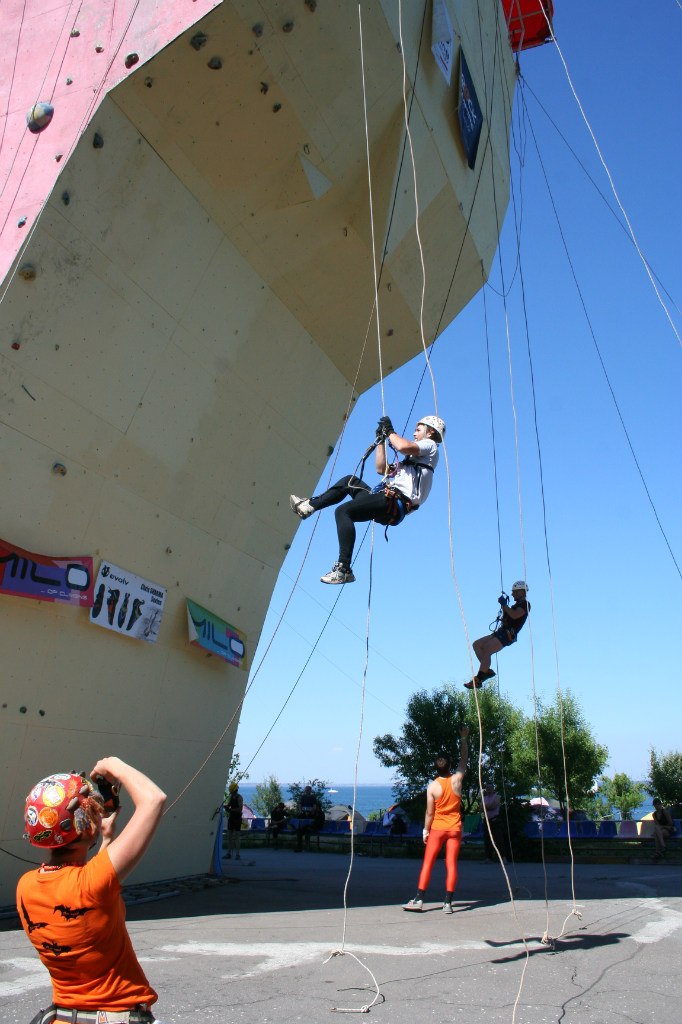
127 849
463 750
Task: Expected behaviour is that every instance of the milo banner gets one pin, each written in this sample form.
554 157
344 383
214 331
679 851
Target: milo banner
470 114
26 574
127 603
215 635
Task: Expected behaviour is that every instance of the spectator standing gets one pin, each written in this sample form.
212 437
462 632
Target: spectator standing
71 908
443 825
664 828
234 806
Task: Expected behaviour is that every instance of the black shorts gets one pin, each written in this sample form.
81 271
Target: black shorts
505 636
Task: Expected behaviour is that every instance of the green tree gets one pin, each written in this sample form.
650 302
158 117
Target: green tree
622 792
431 727
319 788
267 795
585 759
665 777
234 774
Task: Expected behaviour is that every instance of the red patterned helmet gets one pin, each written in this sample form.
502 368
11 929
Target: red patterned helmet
61 809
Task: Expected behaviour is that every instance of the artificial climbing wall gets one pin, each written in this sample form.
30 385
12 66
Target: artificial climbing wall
180 337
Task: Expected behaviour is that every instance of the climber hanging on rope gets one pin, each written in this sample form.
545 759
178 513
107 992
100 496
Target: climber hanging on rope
406 486
508 624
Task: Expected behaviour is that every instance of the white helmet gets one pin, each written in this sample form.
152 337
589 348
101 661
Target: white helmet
437 424
520 585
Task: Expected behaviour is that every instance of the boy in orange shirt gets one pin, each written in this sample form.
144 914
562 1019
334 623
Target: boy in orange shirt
443 824
71 908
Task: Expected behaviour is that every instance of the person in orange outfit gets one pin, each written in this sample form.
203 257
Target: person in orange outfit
443 824
71 908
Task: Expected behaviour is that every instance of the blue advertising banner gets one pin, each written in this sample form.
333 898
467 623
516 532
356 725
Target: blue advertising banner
469 111
215 635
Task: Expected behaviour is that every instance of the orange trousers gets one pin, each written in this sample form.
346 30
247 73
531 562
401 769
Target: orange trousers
452 839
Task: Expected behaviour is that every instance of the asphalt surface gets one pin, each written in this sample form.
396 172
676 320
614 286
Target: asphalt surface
256 947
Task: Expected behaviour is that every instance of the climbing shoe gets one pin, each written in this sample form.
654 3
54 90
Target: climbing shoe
301 506
490 674
416 905
475 682
338 574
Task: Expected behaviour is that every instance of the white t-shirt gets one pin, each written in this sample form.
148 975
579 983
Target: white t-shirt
414 475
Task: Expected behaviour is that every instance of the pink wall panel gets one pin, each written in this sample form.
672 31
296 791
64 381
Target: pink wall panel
41 60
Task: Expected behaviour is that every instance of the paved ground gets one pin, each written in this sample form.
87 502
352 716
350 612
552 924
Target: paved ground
254 949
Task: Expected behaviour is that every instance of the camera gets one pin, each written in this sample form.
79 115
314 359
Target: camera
108 794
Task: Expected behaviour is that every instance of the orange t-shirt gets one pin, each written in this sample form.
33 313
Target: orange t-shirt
75 918
448 814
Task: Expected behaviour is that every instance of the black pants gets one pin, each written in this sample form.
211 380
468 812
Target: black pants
364 507
498 827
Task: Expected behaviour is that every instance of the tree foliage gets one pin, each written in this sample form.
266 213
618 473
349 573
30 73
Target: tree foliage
431 727
508 760
234 773
622 792
267 795
665 776
319 788
583 757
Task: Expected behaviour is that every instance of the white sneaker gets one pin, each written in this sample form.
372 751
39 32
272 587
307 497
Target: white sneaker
416 904
448 908
338 574
301 506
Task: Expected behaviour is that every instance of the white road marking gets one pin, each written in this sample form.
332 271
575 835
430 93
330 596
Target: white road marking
277 956
34 976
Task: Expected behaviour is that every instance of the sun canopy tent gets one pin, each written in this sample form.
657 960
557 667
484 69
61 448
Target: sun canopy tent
528 22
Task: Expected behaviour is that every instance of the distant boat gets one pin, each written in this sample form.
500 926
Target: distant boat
332 790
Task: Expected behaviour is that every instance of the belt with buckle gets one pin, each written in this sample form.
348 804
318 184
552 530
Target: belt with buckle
138 1015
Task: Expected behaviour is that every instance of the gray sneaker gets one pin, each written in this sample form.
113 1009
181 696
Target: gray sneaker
338 574
301 506
448 908
416 905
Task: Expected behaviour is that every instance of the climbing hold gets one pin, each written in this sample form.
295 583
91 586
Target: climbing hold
131 60
257 29
311 5
41 712
276 108
59 469
149 82
22 710
21 222
215 64
288 26
98 48
97 141
198 40
16 345
28 272
66 198
38 117
69 81
75 32
330 450
264 87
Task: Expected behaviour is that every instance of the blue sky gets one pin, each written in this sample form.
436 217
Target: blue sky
616 589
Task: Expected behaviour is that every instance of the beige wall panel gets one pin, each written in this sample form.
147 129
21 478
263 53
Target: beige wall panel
40 510
149 212
95 330
190 711
65 427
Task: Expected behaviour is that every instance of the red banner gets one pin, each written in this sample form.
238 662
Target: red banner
26 574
